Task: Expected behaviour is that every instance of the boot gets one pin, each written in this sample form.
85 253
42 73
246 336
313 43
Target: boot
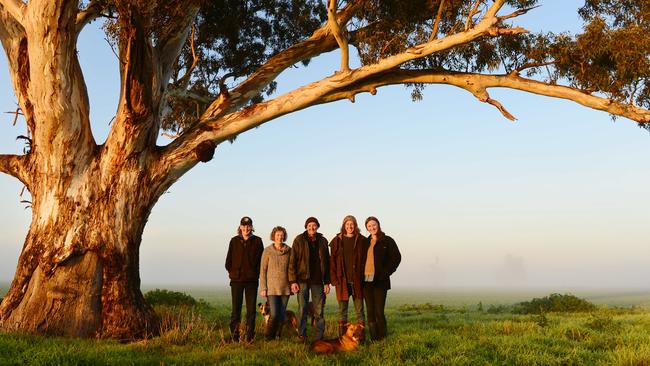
234 332
269 332
278 334
362 332
372 330
272 329
250 334
341 328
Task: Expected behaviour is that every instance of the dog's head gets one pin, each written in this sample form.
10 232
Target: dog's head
264 309
354 331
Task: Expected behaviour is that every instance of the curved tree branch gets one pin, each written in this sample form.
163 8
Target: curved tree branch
183 153
54 83
169 46
339 34
477 84
436 22
92 11
181 84
321 41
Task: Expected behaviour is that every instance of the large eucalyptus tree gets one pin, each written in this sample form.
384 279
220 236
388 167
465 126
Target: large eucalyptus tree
203 72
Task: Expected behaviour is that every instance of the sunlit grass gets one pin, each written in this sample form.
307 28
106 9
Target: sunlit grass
421 332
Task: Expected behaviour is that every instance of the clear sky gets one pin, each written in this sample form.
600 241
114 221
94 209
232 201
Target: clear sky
557 199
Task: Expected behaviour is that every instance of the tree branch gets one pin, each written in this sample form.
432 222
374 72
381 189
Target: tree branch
339 34
199 142
183 81
187 94
53 77
477 84
468 22
14 165
320 42
169 47
92 11
517 13
436 23
16 8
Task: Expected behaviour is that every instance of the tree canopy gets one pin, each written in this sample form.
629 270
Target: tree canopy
608 59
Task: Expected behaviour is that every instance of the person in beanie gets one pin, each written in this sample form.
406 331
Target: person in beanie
309 272
243 266
274 283
346 270
381 261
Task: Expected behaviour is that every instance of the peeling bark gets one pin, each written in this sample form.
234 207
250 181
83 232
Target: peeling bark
78 273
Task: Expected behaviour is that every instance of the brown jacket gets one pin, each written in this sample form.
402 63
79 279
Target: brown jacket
338 276
243 259
299 260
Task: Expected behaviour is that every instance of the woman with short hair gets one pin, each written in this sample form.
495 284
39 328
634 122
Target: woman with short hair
274 280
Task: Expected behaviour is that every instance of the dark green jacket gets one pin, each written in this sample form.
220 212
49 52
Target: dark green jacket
299 260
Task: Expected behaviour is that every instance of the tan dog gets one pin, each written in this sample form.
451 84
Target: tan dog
348 342
292 319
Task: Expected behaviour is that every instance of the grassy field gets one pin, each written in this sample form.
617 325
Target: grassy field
426 328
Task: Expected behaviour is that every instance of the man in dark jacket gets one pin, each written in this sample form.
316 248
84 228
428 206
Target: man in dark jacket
243 266
309 272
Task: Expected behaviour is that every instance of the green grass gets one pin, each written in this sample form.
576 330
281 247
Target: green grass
421 333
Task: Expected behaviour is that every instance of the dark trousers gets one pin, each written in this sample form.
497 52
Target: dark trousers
237 291
375 297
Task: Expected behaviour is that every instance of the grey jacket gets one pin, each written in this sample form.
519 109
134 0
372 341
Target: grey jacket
274 270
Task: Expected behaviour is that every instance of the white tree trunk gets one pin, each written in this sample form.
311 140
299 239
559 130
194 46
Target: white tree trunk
78 273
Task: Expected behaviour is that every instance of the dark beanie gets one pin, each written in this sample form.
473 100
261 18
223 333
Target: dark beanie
312 219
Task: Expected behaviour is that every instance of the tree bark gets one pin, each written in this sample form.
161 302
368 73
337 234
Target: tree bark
78 273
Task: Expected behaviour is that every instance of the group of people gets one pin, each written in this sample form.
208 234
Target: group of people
357 266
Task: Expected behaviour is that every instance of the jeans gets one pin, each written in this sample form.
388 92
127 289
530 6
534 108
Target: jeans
358 307
237 291
375 297
318 298
278 304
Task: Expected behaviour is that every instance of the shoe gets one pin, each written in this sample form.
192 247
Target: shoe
342 327
362 332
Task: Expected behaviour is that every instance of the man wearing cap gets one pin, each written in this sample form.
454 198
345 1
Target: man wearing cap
243 266
309 272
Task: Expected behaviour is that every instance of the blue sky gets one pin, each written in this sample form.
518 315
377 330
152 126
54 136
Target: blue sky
557 199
